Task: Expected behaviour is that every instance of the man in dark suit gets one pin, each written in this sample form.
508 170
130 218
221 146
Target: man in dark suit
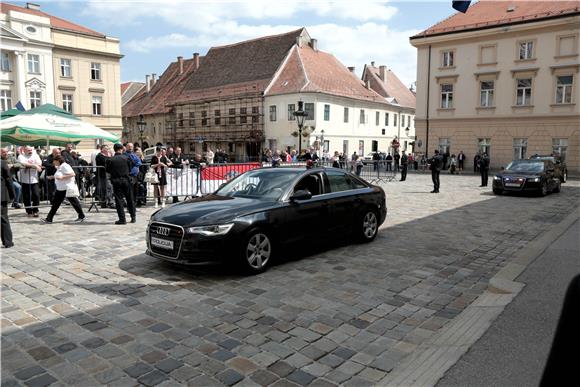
436 164
119 167
404 165
7 194
484 168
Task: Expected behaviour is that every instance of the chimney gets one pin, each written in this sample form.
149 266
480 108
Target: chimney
373 63
383 73
314 44
33 6
147 83
196 60
153 79
351 69
368 84
180 61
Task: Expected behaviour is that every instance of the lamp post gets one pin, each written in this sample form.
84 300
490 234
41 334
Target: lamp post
141 124
407 130
322 143
300 115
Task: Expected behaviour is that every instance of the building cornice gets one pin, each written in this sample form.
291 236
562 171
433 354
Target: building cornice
499 119
575 66
87 51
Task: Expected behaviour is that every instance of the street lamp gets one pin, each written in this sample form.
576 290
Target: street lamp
322 142
141 124
300 115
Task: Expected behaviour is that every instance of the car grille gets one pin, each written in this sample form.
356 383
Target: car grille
166 232
513 182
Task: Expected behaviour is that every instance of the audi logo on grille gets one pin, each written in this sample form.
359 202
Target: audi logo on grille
163 231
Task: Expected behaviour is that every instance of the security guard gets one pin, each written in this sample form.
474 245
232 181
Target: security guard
119 167
404 165
435 165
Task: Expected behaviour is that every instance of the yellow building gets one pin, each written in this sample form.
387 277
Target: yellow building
501 79
85 73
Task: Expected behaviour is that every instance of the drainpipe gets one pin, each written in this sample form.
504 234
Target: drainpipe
427 112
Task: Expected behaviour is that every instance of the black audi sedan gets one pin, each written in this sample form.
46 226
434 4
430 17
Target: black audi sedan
527 175
254 216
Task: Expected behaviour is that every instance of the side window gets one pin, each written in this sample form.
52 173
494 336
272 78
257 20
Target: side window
311 183
356 184
338 182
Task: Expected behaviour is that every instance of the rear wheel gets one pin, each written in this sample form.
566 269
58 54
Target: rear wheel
369 226
544 189
256 252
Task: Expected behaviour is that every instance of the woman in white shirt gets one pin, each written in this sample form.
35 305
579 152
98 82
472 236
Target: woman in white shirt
65 183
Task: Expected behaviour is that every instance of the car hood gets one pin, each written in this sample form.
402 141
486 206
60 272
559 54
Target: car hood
210 209
516 174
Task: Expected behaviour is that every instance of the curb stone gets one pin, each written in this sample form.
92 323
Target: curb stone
432 359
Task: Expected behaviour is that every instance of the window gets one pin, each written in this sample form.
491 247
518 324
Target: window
273 113
395 119
191 119
255 114
309 110
243 115
95 71
97 106
446 96
386 119
339 181
444 145
232 114
67 102
311 183
484 145
524 92
65 69
326 112
180 120
564 88
5 100
345 147
526 50
374 146
486 93
217 120
326 146
345 118
567 45
34 64
383 131
559 147
377 118
361 119
35 99
447 59
361 148
6 64
291 110
403 120
520 148
488 54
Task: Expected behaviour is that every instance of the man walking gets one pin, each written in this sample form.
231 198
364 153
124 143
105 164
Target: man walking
7 193
397 159
389 162
133 175
31 167
404 165
49 171
484 168
460 160
103 189
119 167
436 164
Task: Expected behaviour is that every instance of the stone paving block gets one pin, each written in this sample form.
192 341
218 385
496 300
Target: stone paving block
41 353
108 376
185 373
242 365
317 369
138 369
168 365
205 380
281 368
29 372
229 377
264 378
153 378
41 381
322 383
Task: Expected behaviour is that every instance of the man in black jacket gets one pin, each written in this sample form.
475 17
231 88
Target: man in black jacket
397 158
404 165
484 168
119 167
7 193
49 171
436 164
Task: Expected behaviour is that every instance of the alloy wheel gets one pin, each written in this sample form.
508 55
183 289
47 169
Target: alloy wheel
258 251
370 225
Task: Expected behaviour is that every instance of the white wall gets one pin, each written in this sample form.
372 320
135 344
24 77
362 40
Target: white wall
335 129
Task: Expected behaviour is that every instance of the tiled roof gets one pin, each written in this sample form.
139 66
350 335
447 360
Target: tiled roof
245 66
309 70
55 22
129 90
125 86
165 90
391 87
491 13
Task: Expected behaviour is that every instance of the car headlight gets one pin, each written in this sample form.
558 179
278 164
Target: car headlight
218 229
496 178
536 179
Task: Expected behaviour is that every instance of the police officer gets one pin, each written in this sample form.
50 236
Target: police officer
436 164
484 168
119 167
404 165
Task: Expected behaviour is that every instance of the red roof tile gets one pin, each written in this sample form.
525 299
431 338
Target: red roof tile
391 87
491 13
309 70
125 86
55 22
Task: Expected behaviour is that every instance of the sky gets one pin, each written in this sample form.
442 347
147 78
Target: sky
154 33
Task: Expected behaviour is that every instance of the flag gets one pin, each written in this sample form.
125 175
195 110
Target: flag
19 106
461 6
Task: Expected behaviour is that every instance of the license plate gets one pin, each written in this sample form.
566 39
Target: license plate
512 184
162 243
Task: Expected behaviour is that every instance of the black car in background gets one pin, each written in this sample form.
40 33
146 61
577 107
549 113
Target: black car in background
254 216
527 175
560 167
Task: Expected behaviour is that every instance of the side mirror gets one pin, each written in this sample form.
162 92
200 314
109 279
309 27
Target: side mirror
301 195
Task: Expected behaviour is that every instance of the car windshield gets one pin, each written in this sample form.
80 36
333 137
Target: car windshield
262 184
519 166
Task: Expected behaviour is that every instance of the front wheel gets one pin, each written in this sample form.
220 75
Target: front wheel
544 189
369 226
256 252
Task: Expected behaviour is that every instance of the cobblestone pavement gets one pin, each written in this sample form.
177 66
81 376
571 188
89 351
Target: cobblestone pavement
81 304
